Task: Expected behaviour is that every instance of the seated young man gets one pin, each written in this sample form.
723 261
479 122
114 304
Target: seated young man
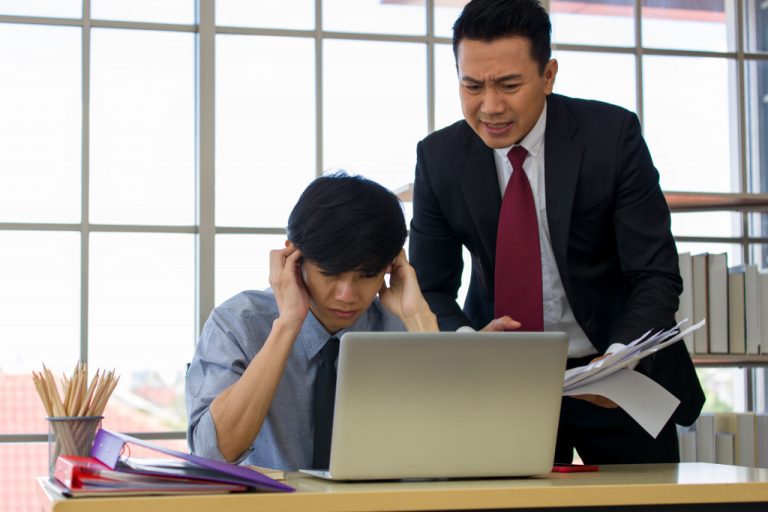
250 388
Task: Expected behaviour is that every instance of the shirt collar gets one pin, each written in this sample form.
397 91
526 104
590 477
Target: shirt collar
313 335
533 141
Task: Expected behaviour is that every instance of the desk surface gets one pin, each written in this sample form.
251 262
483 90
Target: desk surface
620 485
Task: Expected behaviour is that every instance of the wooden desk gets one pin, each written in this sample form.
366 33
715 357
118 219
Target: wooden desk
639 487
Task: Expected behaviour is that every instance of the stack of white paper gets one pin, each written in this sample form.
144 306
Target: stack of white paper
612 377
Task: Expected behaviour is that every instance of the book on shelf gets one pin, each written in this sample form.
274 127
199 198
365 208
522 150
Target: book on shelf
685 310
687 444
717 302
108 472
700 295
761 438
752 308
724 443
705 437
737 328
762 279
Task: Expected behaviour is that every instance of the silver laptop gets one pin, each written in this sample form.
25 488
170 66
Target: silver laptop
446 405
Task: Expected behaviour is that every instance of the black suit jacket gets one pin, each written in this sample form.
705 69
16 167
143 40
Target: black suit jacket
609 226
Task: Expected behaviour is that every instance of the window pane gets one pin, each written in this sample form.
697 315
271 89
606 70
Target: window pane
724 389
755 26
141 322
374 108
40 128
686 25
45 8
22 464
447 102
288 14
706 224
596 22
142 127
242 263
694 148
445 16
758 225
265 127
39 300
167 11
375 16
600 76
756 100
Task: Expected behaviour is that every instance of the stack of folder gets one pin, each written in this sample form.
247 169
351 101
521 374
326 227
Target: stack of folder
106 473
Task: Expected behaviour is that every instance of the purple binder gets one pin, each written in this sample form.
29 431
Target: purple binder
108 445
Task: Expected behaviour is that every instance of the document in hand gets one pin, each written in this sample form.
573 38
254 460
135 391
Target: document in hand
106 472
612 377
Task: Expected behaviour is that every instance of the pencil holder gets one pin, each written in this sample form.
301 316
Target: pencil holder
70 435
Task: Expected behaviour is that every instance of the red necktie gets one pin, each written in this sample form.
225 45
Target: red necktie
518 254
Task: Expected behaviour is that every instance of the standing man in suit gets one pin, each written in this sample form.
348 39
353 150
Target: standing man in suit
559 204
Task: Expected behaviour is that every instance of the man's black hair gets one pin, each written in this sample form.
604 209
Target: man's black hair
343 223
488 20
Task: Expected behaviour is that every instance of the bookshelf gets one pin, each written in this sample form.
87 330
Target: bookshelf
730 360
680 202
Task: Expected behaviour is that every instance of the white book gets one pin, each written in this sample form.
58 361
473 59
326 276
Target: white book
746 449
724 448
752 308
705 438
685 310
717 302
700 294
687 442
737 320
763 287
727 423
761 431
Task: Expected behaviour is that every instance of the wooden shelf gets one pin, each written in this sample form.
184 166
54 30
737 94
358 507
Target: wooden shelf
729 360
678 201
711 201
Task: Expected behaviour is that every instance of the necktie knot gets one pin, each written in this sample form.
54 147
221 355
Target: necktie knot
330 351
516 157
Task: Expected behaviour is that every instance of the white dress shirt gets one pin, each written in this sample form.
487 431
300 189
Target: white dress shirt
558 315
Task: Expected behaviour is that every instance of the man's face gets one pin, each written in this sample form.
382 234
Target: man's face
338 300
502 91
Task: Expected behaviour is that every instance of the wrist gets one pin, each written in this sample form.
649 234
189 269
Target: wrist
285 326
423 321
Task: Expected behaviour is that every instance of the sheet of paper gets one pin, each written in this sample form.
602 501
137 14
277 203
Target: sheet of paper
646 401
644 346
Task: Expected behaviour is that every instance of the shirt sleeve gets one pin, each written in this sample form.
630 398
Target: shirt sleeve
219 361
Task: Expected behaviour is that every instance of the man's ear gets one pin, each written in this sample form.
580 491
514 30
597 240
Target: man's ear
288 243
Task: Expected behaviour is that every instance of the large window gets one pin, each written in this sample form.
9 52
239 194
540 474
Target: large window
151 151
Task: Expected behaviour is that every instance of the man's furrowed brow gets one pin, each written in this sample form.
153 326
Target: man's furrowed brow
505 78
469 79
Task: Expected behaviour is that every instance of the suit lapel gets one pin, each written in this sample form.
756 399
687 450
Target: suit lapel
562 161
479 183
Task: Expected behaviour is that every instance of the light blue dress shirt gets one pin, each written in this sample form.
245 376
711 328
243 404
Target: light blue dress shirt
233 334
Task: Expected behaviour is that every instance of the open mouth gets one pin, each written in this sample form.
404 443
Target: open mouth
497 128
